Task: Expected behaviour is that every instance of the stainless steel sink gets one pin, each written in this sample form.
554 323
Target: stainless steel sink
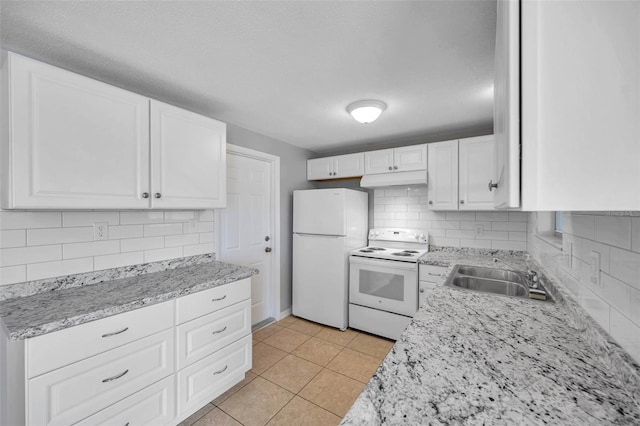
503 282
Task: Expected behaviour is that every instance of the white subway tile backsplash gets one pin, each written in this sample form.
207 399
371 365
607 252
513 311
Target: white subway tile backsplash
585 248
121 232
492 216
443 224
38 271
445 242
138 218
13 274
163 254
616 293
396 192
117 260
517 236
613 230
24 255
205 227
28 220
396 208
626 333
93 248
198 249
181 240
581 226
459 233
13 238
89 218
596 307
494 235
141 244
41 237
509 226
625 266
479 244
206 237
178 216
156 229
518 216
473 224
509 245
460 216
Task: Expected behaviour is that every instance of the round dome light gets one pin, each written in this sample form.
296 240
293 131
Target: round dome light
366 111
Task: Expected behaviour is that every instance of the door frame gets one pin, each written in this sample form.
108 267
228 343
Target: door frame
274 161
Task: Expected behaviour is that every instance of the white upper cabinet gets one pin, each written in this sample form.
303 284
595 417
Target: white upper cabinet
188 159
403 159
443 175
476 169
70 141
339 166
580 103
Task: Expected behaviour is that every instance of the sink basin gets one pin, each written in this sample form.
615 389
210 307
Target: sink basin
503 282
494 274
505 288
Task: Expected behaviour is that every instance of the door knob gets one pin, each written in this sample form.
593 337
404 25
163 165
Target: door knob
492 185
267 249
267 238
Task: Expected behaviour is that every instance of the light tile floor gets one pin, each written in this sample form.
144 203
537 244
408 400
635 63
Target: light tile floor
303 374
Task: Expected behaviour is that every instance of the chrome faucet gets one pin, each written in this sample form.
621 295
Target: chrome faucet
530 275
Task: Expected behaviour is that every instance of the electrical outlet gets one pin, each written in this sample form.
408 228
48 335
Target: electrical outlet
100 231
479 230
594 258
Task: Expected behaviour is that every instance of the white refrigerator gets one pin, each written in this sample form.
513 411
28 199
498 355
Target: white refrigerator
327 224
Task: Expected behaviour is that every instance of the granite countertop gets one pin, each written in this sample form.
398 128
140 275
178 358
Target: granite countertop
474 358
50 311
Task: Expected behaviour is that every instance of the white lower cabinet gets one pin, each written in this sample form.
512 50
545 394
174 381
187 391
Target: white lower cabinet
151 366
69 394
430 276
208 378
153 406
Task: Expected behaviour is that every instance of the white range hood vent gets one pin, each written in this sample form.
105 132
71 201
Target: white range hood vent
417 177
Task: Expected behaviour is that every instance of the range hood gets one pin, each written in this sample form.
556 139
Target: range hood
416 177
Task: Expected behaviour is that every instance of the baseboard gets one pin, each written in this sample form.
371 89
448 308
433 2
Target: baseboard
284 314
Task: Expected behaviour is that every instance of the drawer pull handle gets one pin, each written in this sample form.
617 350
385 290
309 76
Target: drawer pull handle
221 371
115 332
219 298
115 377
220 331
434 275
127 424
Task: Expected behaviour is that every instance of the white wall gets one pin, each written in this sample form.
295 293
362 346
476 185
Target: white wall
408 208
37 245
615 303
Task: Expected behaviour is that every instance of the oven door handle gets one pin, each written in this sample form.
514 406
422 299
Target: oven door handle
394 264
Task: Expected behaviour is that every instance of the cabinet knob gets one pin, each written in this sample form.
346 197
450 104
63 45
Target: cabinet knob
461 201
395 167
390 168
430 201
157 195
145 195
492 185
422 290
267 249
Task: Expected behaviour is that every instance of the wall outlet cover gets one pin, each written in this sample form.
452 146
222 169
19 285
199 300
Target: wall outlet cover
101 231
594 261
479 230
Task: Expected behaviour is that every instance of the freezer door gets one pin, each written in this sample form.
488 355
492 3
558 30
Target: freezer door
319 211
320 286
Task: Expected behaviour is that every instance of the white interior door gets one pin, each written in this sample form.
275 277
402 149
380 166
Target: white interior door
246 226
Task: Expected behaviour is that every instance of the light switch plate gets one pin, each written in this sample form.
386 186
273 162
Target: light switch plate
594 260
479 230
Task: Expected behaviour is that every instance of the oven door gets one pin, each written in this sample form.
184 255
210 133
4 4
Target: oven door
384 284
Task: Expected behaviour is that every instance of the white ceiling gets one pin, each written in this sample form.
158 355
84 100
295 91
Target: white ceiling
283 69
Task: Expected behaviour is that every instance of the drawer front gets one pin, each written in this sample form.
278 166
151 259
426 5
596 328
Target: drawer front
154 405
55 350
205 335
205 380
423 289
435 274
204 302
72 393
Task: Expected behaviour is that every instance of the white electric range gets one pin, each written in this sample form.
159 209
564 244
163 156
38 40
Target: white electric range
383 280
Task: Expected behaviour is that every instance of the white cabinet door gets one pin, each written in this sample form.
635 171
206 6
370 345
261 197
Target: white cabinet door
74 142
506 114
476 157
188 159
408 158
443 175
320 168
378 161
349 165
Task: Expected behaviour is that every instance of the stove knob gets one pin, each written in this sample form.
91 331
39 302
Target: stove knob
423 237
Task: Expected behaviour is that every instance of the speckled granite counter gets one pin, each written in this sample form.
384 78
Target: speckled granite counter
474 358
45 312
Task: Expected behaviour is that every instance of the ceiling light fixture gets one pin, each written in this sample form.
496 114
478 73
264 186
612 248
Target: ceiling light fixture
366 111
